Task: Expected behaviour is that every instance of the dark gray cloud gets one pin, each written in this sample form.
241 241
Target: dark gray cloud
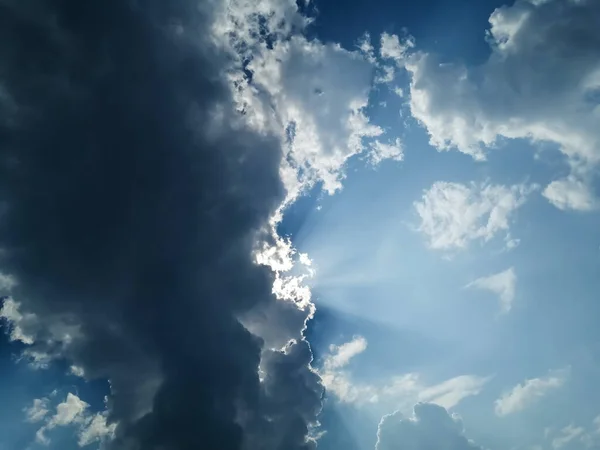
430 428
132 199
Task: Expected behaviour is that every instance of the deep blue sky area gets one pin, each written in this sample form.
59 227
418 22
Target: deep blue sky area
454 29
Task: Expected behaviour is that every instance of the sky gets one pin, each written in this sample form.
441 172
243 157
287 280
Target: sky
299 225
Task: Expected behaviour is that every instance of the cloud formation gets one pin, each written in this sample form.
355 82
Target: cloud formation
430 427
453 214
399 392
540 82
503 284
134 200
530 391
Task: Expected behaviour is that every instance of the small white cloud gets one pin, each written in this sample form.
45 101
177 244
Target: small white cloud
38 411
380 151
530 391
342 354
454 214
567 434
391 47
69 412
72 412
571 193
386 75
502 284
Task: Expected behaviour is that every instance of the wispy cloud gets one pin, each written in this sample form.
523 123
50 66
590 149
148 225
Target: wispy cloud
530 391
503 284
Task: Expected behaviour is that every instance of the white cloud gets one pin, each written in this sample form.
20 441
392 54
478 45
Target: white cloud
391 47
502 284
342 354
71 411
91 427
541 82
454 214
96 429
20 324
380 151
38 410
567 434
571 193
530 391
399 392
430 427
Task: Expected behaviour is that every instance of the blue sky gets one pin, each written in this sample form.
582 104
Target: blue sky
436 244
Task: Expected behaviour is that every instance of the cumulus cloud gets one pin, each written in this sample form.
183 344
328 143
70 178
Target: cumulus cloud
571 193
430 427
72 412
138 195
453 214
540 82
530 391
399 392
503 284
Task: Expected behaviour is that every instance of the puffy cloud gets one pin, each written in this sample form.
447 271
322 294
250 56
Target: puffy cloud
137 196
530 391
391 47
541 82
503 284
392 151
399 392
430 427
453 214
571 193
318 93
92 427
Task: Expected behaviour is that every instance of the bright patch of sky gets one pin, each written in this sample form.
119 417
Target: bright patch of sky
441 167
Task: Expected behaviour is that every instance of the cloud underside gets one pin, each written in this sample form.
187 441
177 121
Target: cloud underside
430 427
541 83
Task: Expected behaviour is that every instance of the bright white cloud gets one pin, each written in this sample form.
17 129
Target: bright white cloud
72 412
399 392
454 214
571 193
541 82
502 284
318 93
392 151
391 47
430 427
530 391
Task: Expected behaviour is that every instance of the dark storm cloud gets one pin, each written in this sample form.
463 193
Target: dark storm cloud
132 200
